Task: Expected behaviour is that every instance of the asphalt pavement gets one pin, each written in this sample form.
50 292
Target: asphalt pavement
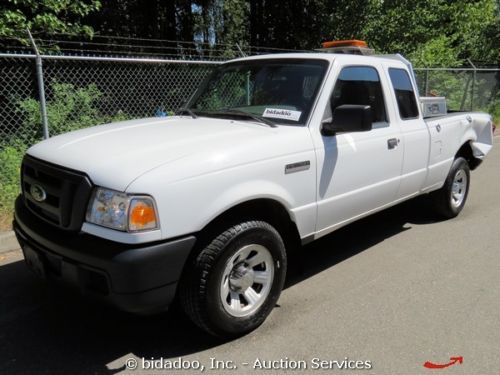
393 291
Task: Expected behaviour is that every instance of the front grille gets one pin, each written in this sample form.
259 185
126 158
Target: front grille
61 194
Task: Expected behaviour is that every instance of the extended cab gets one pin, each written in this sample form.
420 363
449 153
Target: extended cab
271 152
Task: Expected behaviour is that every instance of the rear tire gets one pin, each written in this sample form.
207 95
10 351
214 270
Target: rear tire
451 198
234 282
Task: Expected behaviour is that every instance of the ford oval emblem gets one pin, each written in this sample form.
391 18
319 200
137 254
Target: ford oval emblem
38 193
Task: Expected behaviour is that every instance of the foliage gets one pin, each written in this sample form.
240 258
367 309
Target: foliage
68 108
10 160
170 20
345 19
436 52
494 111
47 16
488 50
235 22
435 32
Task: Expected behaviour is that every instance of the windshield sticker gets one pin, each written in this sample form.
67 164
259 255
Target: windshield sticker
285 114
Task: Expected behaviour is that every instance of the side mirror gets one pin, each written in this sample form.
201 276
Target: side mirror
348 118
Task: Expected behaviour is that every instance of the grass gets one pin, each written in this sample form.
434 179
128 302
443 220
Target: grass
10 161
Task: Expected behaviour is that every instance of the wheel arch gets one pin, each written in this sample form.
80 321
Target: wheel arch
266 209
467 153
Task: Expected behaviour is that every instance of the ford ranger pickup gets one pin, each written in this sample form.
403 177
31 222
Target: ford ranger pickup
203 207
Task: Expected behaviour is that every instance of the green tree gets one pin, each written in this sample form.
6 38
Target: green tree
297 25
168 20
236 25
344 19
487 50
47 16
432 32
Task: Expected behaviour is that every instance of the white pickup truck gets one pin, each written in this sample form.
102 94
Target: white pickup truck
271 152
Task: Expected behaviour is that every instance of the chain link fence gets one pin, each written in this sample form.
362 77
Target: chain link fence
85 91
466 89
81 92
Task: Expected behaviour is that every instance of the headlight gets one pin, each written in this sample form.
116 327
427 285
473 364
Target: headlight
121 211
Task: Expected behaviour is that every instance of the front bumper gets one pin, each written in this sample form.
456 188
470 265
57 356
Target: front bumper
134 278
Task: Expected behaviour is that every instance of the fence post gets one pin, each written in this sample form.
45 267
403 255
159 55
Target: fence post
41 88
426 87
473 85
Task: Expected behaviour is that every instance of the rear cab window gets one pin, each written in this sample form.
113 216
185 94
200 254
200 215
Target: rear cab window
405 95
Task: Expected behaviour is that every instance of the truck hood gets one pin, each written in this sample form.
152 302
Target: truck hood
114 155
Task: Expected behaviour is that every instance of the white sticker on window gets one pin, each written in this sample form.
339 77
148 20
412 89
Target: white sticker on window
285 114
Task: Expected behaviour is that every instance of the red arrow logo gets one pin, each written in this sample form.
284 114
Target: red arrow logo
452 359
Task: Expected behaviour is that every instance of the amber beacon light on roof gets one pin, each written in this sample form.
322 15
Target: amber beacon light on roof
353 46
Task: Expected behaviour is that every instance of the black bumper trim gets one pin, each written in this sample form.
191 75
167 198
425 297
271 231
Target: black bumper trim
135 278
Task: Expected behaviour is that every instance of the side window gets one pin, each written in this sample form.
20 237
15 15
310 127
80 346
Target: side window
405 96
360 85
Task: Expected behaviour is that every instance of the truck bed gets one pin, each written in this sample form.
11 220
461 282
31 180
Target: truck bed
477 129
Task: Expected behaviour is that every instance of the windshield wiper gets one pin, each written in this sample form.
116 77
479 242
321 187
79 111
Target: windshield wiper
257 118
182 111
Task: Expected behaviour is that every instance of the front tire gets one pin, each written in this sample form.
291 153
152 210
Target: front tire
233 284
451 198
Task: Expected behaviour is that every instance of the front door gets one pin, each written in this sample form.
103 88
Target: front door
358 172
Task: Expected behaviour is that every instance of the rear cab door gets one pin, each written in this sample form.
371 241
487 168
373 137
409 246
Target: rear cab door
357 172
415 134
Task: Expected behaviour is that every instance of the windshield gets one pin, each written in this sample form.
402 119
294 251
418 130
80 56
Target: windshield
282 90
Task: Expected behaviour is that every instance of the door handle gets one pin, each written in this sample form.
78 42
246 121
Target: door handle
392 143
